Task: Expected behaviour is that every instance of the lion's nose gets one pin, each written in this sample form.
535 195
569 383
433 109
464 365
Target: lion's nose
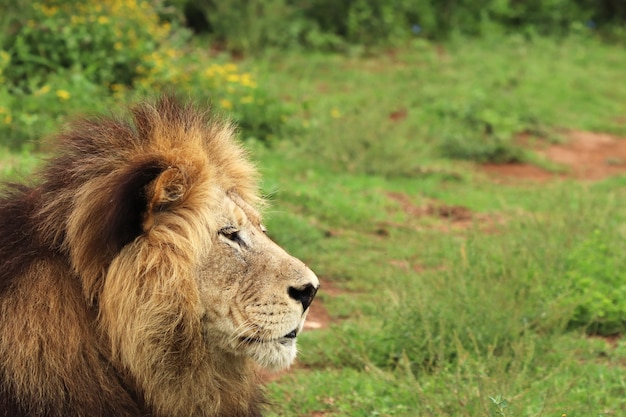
304 294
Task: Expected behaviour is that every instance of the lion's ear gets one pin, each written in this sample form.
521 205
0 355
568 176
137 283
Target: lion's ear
165 191
136 197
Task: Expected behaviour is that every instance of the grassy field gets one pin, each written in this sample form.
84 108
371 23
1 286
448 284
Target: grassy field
475 312
450 293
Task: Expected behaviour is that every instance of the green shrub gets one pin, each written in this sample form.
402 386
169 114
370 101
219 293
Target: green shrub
62 57
250 26
228 87
482 128
597 270
35 115
108 42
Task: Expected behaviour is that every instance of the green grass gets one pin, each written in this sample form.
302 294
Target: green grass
487 312
463 100
495 318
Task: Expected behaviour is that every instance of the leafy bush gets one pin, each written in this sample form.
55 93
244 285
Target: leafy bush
596 269
108 42
249 26
481 132
62 57
228 87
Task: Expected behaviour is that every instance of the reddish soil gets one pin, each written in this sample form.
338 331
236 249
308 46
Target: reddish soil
585 156
457 218
398 115
508 172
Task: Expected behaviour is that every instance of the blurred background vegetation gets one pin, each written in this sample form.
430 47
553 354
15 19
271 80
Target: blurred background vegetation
93 52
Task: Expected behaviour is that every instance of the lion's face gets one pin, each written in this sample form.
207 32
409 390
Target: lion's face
181 287
254 295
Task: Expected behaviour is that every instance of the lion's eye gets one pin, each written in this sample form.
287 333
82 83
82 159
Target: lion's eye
232 233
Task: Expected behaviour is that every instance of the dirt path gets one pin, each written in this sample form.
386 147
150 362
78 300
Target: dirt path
585 156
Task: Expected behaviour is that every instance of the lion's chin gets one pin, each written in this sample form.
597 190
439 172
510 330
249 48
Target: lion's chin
274 355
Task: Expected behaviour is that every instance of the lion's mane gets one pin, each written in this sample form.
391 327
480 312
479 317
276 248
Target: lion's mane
89 325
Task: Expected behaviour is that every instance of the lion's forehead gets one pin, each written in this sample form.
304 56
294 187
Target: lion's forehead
241 212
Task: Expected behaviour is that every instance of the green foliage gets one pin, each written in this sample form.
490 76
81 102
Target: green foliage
596 267
251 26
106 42
482 130
62 57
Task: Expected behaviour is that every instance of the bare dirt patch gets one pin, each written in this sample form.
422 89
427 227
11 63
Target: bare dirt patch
585 156
453 217
508 172
590 156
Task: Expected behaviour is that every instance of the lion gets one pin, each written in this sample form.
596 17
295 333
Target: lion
137 277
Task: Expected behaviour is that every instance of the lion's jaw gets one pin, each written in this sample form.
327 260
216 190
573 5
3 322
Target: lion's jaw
267 295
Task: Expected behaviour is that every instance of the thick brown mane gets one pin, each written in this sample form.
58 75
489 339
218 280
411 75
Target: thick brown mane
98 307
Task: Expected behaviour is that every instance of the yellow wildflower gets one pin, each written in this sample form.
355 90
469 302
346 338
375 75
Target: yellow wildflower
103 20
3 110
8 119
247 99
230 67
335 113
49 11
226 104
216 69
117 87
63 95
233 78
42 90
247 81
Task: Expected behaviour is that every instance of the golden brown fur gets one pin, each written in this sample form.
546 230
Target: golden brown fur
136 278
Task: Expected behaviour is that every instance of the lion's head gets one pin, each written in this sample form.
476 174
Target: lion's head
158 220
